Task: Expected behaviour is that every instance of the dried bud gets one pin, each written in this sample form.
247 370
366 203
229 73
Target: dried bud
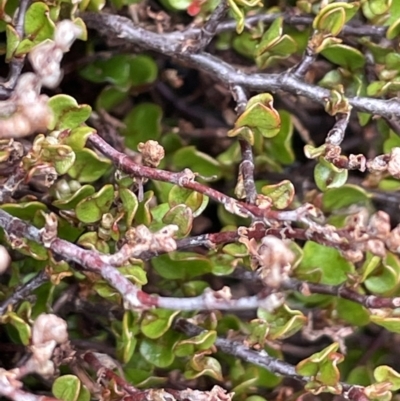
393 240
47 331
49 327
332 152
378 164
107 221
353 256
216 394
376 247
163 240
275 259
357 162
379 225
394 163
186 176
49 232
273 302
152 153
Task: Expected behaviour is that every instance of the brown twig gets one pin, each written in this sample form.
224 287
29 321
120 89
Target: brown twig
184 179
304 214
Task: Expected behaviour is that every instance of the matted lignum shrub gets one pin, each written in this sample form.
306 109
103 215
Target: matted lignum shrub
199 200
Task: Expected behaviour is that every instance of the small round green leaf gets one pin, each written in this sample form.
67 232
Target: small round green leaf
130 204
91 209
157 322
66 388
88 166
281 194
196 201
159 352
198 162
142 124
323 264
387 374
261 115
327 176
182 216
345 56
66 112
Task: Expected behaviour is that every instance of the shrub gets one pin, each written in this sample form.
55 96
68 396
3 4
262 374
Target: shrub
199 200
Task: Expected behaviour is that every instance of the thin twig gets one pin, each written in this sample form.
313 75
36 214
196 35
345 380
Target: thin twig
23 291
237 349
209 30
341 291
212 240
246 167
309 57
184 179
336 134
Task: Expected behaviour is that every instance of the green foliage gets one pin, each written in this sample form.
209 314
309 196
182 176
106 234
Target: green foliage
69 388
142 124
322 368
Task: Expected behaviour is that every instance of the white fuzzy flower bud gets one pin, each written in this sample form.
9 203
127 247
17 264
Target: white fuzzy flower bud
49 327
275 260
45 59
66 33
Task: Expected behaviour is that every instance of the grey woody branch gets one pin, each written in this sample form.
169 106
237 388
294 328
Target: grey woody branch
350 29
262 359
239 350
125 29
134 298
341 291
